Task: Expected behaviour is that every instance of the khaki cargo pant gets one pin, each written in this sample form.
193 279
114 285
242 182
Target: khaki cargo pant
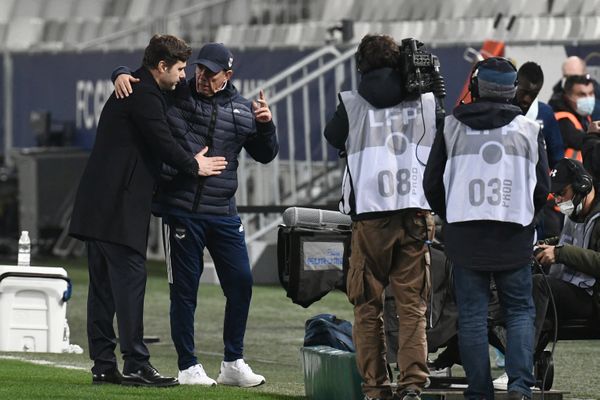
390 250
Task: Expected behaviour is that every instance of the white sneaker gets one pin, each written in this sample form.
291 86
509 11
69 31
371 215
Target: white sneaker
441 372
238 373
501 382
195 375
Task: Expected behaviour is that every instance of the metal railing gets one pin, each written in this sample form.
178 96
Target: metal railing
315 175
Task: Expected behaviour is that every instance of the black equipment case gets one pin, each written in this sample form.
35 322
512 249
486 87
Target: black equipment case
312 253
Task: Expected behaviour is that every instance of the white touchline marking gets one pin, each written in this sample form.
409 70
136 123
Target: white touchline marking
44 362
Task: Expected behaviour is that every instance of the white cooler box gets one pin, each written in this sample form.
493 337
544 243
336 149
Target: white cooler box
33 305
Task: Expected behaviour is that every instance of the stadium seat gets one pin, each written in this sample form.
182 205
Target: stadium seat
428 30
24 32
294 34
533 8
54 31
314 34
87 8
449 30
360 30
432 10
236 13
547 27
561 29
591 28
336 10
28 8
59 10
278 34
576 28
6 10
138 10
110 25
590 7
523 29
418 9
566 7
478 29
71 32
483 9
3 29
413 29
118 8
453 9
89 29
223 34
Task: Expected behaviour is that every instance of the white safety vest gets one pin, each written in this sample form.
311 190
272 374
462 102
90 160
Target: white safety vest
491 174
387 151
577 234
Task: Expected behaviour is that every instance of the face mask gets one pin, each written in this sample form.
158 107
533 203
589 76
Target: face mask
566 207
225 84
585 105
569 209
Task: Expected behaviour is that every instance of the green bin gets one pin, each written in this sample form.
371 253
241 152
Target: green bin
330 374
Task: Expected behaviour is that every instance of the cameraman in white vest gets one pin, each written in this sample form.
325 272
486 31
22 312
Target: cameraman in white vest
487 179
386 136
574 256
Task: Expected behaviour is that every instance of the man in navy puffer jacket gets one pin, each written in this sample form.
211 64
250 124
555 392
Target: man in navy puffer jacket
207 114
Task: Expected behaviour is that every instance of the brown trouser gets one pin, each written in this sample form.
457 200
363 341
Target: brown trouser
390 250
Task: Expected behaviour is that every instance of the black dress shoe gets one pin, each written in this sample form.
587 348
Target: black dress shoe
113 376
148 376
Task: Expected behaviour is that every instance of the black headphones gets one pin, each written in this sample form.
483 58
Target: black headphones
473 83
583 182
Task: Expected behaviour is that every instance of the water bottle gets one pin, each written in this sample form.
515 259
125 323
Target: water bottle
66 335
24 256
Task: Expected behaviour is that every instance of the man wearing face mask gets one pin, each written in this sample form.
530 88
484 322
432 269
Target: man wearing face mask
574 257
572 66
207 113
573 111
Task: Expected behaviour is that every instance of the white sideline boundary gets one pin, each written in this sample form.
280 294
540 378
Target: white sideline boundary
44 362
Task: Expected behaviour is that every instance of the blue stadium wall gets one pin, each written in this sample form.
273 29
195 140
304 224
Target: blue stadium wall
74 86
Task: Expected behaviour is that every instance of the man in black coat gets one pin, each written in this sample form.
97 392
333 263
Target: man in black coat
112 211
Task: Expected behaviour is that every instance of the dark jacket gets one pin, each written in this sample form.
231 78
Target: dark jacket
235 128
572 136
484 245
555 147
382 88
557 92
586 260
591 155
114 197
189 115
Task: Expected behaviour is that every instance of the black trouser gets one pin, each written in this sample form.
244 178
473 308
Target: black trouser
571 302
117 285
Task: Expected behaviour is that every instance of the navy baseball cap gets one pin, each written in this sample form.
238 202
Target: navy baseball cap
215 56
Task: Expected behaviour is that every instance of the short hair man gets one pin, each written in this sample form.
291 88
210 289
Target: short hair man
382 131
574 257
575 66
530 79
112 212
487 150
209 114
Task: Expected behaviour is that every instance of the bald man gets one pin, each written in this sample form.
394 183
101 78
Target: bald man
574 65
